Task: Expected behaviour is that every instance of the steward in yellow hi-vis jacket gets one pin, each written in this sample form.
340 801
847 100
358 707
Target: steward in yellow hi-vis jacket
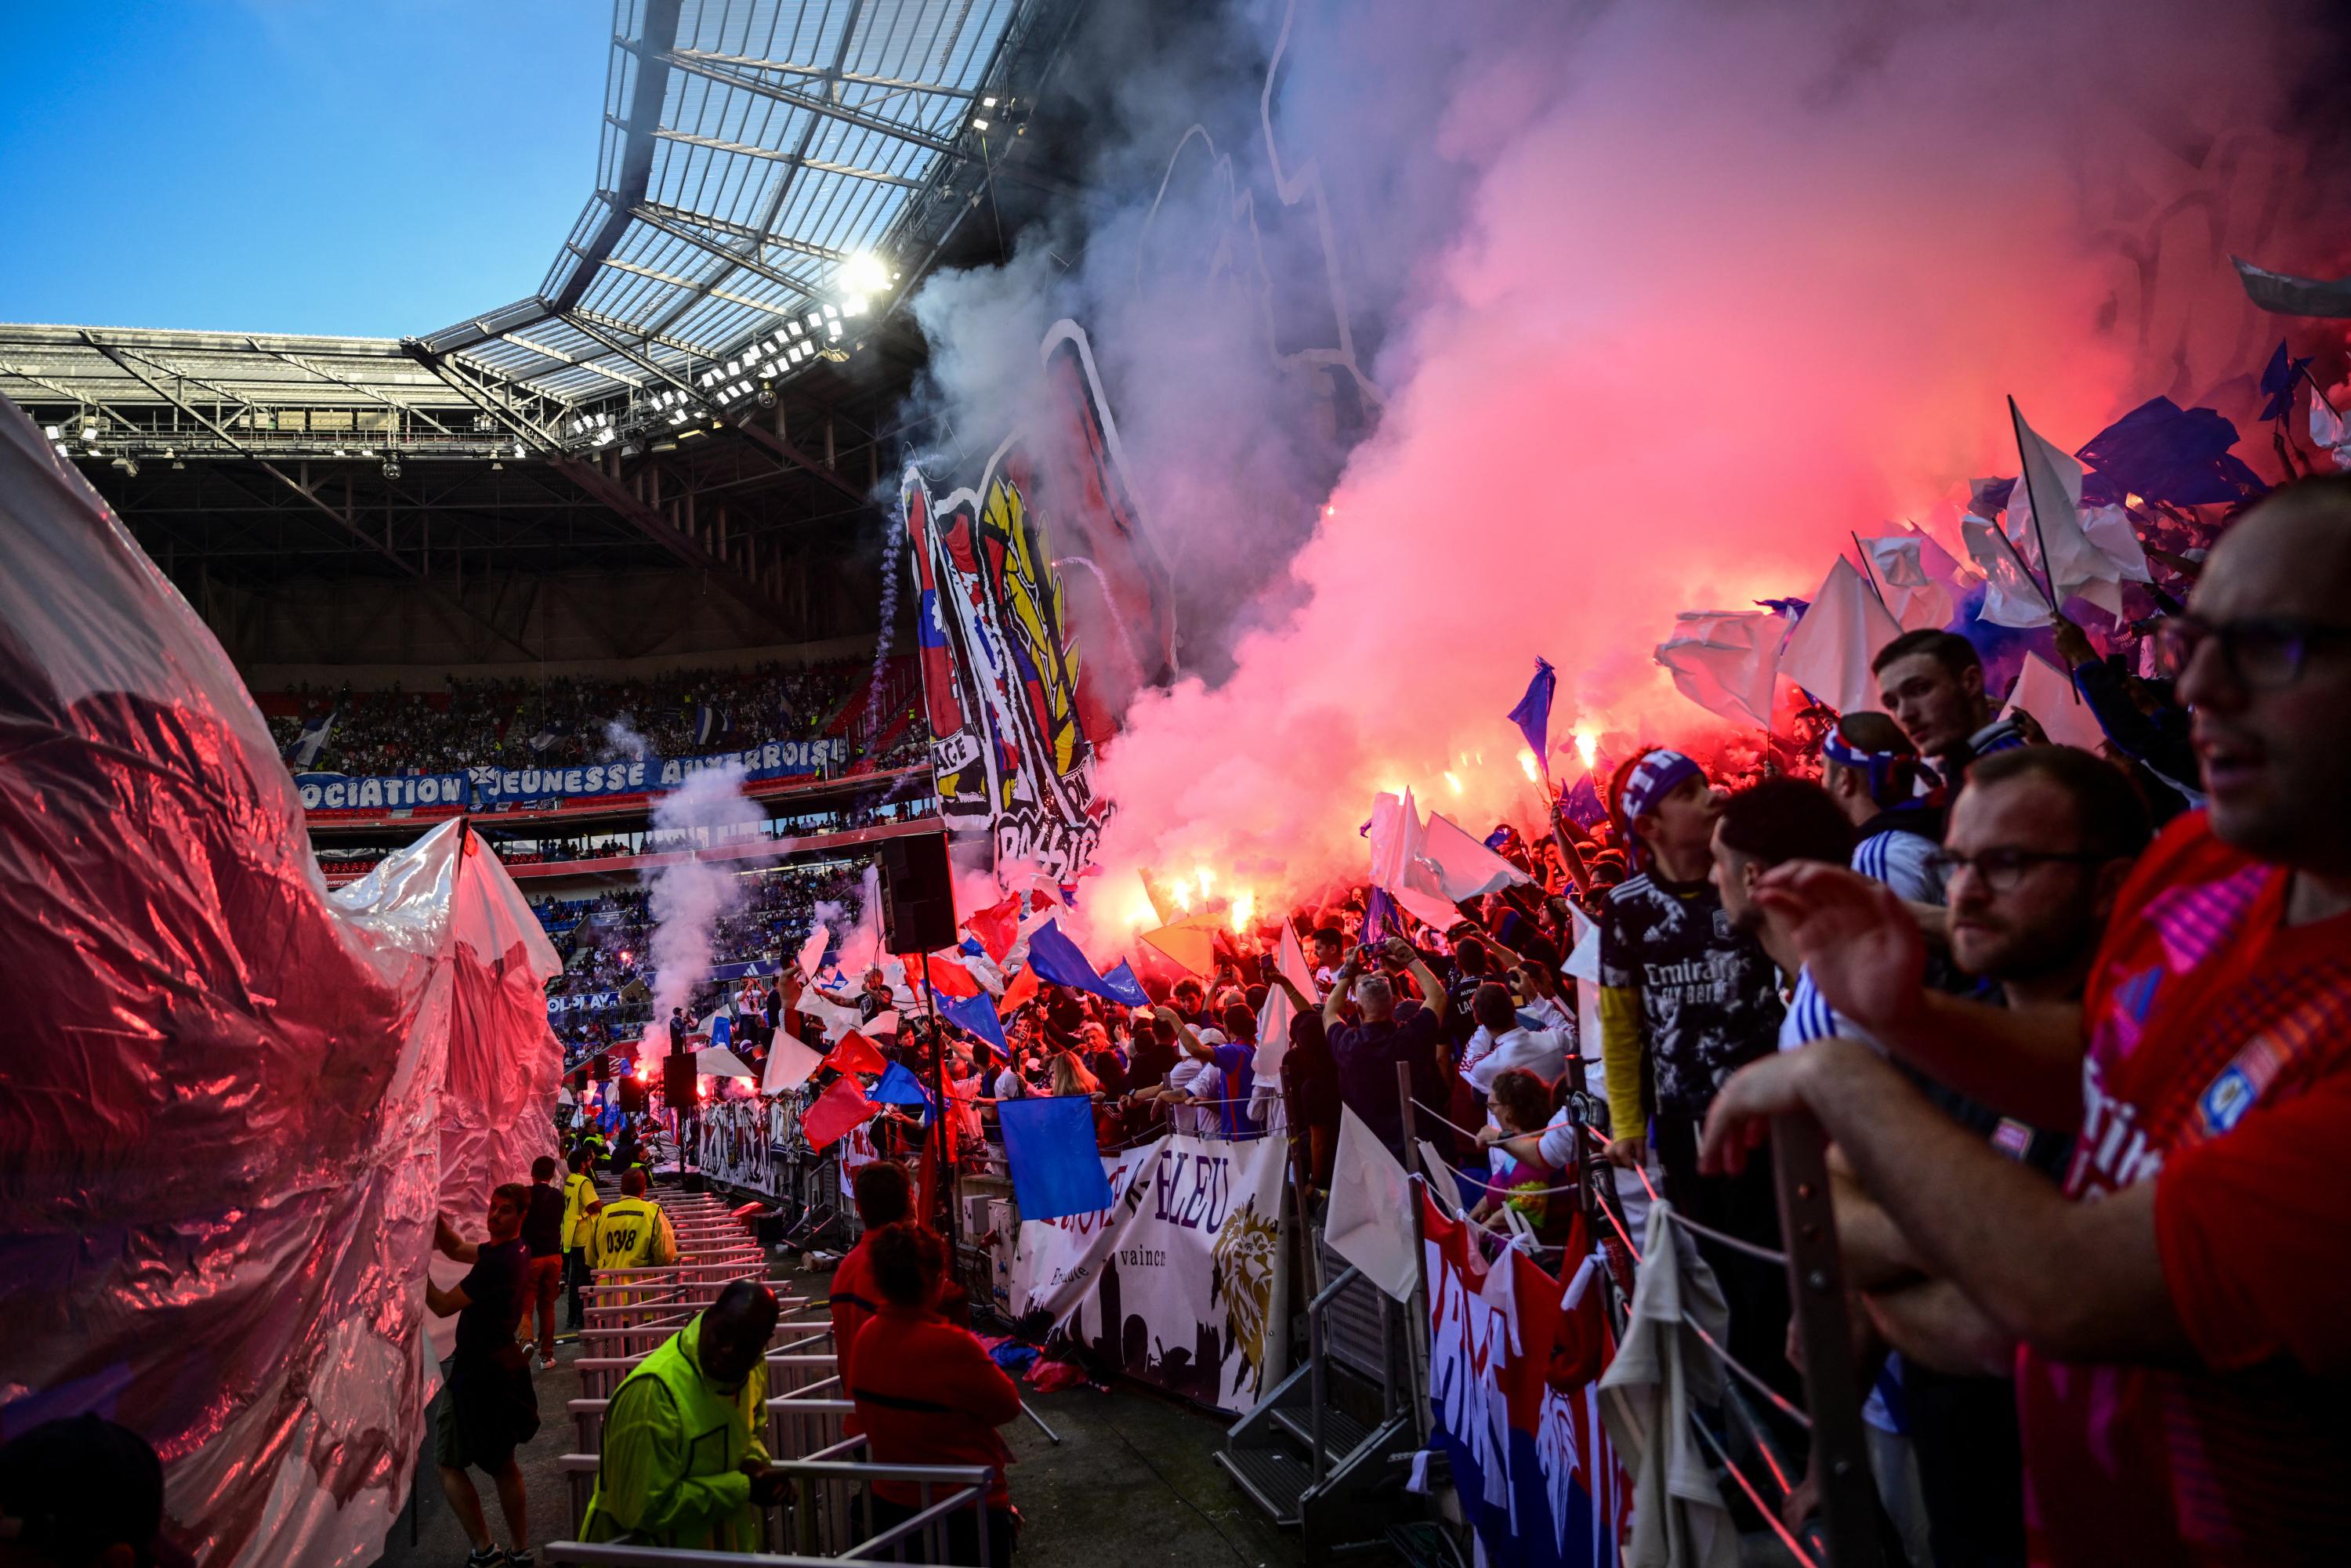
683 1463
633 1232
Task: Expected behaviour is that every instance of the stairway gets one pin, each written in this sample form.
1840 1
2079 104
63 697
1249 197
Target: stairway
1364 1438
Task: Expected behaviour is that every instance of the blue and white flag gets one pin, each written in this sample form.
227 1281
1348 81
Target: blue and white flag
543 740
307 746
709 723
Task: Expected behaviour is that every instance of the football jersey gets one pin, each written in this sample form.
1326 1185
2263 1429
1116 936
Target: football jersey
1709 998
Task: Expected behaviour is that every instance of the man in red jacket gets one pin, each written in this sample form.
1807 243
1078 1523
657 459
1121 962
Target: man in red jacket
927 1393
883 1193
2182 1310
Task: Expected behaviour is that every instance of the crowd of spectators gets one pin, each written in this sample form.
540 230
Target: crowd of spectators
563 720
606 941
2072 1020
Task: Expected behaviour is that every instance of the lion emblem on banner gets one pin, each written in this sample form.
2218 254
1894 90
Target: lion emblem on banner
1244 1255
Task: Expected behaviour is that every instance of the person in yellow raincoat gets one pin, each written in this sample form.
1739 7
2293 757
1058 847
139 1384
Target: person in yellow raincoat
683 1461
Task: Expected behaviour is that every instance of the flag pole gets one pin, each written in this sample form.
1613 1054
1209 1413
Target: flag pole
1854 535
2319 392
2025 477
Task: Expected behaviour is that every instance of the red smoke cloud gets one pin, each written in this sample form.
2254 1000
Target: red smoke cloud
1740 280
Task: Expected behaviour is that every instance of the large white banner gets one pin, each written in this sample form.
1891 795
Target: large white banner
731 1145
1180 1280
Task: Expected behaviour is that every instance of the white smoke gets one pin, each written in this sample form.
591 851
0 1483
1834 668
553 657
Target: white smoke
687 896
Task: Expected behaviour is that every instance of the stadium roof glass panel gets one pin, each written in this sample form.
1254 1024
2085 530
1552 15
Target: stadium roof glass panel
751 150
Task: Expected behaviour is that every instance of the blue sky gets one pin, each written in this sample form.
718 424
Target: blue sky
367 167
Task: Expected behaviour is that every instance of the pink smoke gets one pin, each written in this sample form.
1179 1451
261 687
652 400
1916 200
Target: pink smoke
1745 281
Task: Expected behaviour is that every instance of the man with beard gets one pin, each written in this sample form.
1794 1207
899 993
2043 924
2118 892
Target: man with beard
2181 1307
2026 913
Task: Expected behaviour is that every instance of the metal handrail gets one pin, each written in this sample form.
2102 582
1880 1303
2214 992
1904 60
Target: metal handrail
1317 1378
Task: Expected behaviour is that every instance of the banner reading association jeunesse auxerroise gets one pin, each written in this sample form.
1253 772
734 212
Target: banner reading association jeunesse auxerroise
1180 1282
476 788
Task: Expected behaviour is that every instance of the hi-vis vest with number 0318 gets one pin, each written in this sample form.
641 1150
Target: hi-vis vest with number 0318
632 1233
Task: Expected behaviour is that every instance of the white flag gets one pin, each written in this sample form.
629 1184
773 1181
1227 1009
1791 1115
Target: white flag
2045 507
2329 429
1917 584
2011 599
2047 692
789 1064
1726 660
1274 1017
1370 1219
1829 651
1460 865
1398 841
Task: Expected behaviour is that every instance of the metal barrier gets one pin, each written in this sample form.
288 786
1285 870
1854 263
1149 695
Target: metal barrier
822 1511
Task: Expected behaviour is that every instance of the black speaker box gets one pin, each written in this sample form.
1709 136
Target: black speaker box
678 1081
918 895
599 1067
632 1095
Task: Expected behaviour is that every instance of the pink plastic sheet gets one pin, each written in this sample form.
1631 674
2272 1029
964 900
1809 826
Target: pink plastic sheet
230 1103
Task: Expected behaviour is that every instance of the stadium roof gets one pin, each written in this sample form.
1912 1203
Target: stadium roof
785 167
703 394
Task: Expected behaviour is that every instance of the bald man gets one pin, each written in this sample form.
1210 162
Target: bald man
2181 1310
684 1464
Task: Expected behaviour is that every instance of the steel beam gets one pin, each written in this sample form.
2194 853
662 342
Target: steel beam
694 63
796 160
653 49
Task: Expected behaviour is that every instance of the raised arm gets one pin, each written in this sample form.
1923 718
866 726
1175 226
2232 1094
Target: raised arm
1332 1015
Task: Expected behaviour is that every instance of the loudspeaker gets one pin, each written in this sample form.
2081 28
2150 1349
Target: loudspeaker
599 1067
632 1095
918 895
678 1081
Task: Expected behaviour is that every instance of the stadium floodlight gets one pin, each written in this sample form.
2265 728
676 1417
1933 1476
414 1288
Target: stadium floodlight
55 432
854 306
987 103
979 124
797 329
816 318
862 272
831 313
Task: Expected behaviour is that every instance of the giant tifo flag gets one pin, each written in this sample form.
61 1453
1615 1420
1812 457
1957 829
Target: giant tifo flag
1002 623
272 1088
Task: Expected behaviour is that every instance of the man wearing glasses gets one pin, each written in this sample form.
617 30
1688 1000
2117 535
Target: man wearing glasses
2181 1308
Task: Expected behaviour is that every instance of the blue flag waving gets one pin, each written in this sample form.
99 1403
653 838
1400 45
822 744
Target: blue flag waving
976 1014
1056 959
2277 379
1532 716
899 1086
1121 985
1056 1168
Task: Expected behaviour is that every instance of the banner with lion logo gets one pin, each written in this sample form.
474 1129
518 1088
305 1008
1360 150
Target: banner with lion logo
1180 1280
